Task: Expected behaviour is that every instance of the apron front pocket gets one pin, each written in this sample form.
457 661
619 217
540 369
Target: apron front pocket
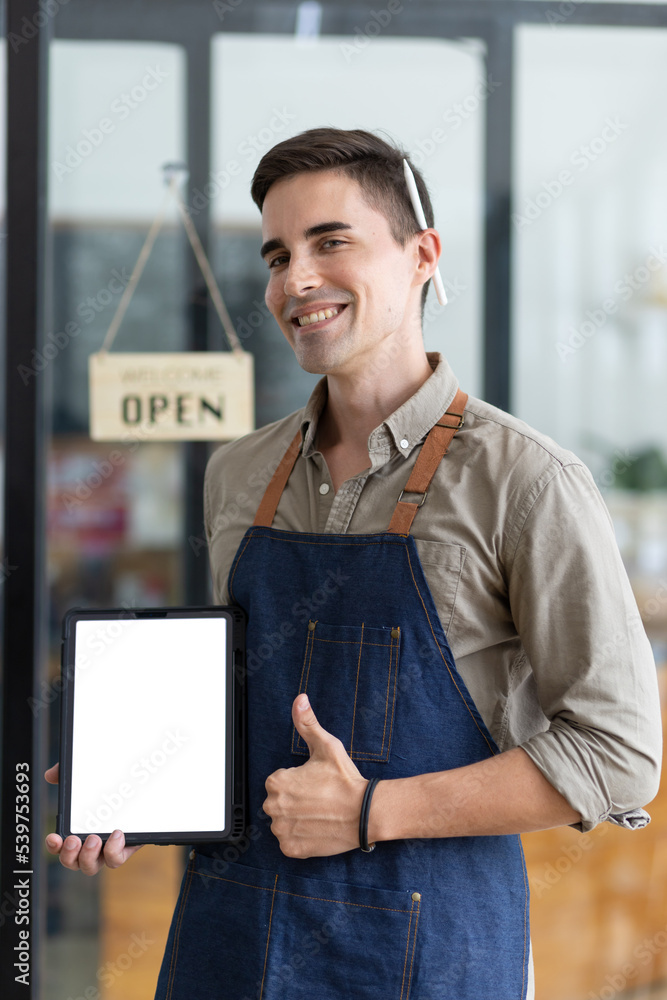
254 935
350 674
331 940
217 941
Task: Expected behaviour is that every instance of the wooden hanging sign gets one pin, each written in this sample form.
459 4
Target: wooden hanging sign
195 396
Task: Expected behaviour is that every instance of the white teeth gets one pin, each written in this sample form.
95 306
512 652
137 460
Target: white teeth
317 317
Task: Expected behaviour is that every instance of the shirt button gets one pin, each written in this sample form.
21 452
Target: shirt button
404 442
324 489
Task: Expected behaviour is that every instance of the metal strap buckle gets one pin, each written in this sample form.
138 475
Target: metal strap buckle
452 427
421 502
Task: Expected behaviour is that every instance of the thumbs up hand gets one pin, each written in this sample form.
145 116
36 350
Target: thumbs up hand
315 807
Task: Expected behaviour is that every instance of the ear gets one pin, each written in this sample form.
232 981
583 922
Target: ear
428 248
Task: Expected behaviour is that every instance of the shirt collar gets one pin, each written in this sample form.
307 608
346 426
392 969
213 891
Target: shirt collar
311 416
409 423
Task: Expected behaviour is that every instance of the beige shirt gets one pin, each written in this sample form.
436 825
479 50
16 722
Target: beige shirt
518 550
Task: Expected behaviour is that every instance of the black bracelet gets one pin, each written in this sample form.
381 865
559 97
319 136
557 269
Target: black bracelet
363 817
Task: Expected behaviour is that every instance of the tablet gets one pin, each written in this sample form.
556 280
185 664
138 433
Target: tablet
152 727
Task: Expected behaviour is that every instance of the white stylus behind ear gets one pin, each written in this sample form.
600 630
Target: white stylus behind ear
421 221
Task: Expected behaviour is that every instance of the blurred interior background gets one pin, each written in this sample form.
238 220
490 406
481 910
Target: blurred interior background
541 130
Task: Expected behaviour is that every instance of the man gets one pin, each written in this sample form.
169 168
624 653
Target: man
435 601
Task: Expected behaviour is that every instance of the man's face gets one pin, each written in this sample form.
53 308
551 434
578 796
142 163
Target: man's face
330 253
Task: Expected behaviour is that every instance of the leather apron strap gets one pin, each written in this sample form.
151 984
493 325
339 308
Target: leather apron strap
274 491
433 451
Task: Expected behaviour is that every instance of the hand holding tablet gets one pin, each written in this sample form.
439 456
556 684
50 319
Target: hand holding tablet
93 854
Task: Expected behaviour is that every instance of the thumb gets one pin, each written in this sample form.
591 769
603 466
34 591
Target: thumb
52 774
318 739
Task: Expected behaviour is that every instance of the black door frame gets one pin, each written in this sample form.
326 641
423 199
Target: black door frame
29 26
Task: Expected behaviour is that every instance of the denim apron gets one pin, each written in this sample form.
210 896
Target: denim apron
434 919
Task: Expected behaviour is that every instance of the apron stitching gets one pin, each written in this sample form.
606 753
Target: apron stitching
355 754
301 895
356 689
393 706
299 740
414 948
382 755
295 536
310 638
177 933
296 541
231 581
525 918
352 642
268 935
378 758
386 701
407 946
305 683
453 679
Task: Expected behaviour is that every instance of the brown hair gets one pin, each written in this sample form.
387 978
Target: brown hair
375 164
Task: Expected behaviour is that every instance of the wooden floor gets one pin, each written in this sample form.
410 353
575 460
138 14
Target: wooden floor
137 903
598 912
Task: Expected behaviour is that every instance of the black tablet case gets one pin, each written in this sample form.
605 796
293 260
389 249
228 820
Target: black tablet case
235 763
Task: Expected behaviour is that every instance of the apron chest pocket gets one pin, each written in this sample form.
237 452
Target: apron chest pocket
350 674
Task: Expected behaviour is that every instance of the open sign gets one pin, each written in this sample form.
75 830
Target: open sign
193 396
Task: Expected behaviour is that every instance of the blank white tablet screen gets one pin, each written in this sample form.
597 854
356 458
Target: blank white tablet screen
149 725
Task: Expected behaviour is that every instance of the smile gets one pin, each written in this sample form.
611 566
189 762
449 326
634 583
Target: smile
317 317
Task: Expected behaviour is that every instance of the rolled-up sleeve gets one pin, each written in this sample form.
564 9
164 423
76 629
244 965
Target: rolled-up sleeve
579 623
